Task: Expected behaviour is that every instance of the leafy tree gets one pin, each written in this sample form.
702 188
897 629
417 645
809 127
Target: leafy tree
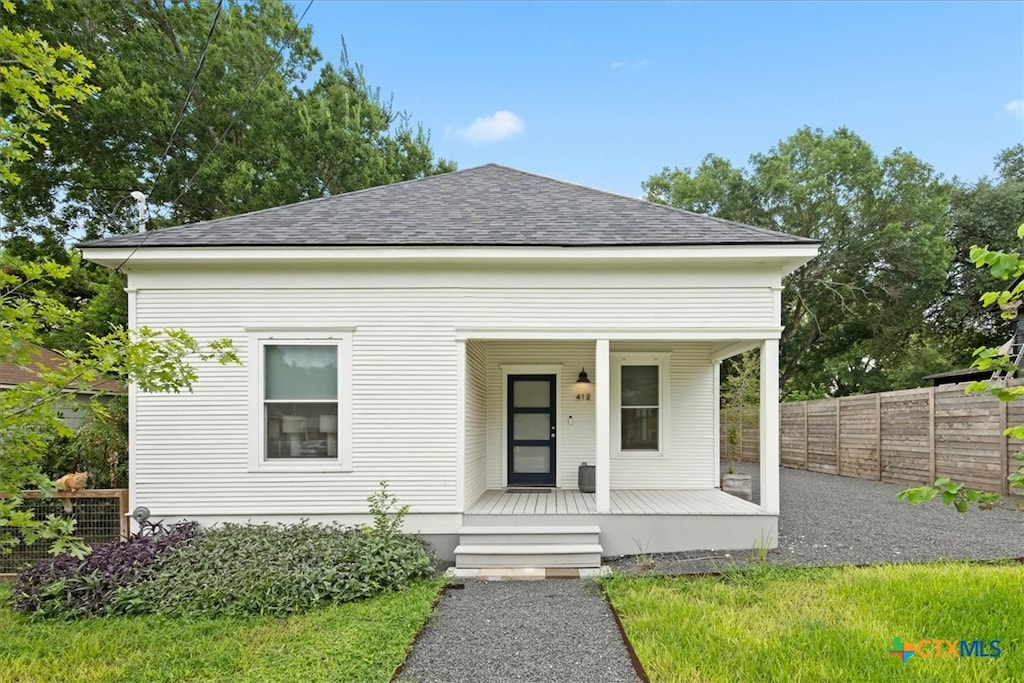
252 135
882 224
29 413
37 82
1004 266
740 393
982 213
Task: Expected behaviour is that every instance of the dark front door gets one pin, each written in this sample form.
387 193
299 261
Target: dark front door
531 430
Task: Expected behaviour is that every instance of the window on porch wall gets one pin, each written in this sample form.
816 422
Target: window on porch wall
640 399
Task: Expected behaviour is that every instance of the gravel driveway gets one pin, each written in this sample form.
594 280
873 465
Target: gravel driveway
829 520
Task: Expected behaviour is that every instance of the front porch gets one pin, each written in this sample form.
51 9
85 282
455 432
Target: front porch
643 411
564 528
559 502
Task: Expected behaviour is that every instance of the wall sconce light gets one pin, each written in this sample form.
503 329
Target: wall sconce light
583 382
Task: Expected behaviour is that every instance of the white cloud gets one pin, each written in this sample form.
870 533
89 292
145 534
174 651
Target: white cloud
498 126
622 64
1015 108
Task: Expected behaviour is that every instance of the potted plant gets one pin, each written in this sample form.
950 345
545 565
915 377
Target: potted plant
736 483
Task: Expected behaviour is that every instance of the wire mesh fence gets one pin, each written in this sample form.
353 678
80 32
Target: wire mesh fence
100 514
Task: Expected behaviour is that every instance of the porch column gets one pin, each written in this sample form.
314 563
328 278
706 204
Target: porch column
602 425
716 421
770 426
461 378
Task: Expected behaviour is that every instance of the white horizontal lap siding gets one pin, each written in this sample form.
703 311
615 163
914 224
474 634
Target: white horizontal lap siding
192 450
616 308
687 460
619 308
575 442
476 420
404 412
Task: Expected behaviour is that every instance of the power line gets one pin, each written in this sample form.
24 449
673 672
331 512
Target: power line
231 123
248 99
188 98
174 128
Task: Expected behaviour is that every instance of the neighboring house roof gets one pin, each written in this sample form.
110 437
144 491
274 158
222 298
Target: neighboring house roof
489 205
956 376
13 375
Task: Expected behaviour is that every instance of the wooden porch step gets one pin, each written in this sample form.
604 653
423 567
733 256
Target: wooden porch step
528 546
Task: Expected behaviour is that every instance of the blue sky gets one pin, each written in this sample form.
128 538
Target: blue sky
606 94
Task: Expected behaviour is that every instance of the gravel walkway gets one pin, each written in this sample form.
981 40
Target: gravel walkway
828 520
551 630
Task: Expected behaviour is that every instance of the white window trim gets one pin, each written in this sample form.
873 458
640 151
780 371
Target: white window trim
662 360
342 340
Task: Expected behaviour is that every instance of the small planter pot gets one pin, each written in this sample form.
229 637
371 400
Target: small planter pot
737 484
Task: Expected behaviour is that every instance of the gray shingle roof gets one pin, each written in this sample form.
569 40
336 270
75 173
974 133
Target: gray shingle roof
485 206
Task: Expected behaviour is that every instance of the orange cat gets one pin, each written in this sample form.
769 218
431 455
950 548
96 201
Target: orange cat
71 483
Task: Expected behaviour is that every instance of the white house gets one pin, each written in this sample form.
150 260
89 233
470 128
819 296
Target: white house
432 334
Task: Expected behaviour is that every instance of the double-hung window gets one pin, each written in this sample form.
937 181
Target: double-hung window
639 392
303 408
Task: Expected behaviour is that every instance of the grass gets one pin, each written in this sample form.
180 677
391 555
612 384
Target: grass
360 641
828 624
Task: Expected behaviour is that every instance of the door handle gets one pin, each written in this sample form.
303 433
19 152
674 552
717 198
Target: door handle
552 431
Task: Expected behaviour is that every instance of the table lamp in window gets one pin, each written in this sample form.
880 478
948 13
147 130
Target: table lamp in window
293 426
329 426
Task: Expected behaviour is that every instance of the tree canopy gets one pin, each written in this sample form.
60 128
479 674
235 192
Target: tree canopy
255 129
982 213
852 313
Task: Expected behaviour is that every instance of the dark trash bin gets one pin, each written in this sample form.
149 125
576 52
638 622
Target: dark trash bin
588 478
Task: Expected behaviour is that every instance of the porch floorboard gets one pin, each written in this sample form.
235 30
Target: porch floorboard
623 502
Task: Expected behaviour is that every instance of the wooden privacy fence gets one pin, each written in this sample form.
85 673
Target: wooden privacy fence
908 437
101 516
740 434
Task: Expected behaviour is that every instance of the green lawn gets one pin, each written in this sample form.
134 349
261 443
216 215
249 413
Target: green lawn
363 641
832 624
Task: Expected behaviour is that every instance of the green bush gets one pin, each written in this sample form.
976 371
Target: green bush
248 569
232 569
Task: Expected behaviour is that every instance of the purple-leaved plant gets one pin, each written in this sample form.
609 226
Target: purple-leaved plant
64 587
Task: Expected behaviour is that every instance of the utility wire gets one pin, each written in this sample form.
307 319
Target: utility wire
174 128
188 98
248 99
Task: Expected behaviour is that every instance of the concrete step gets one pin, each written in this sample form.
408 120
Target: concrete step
566 545
529 535
577 555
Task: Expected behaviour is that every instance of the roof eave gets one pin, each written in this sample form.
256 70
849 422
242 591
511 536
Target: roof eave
790 254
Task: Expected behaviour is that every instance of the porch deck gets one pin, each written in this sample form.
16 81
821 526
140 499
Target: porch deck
623 502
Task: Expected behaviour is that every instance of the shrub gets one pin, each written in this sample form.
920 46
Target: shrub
231 569
284 569
65 587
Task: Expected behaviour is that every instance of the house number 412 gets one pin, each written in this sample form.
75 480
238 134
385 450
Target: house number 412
583 396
